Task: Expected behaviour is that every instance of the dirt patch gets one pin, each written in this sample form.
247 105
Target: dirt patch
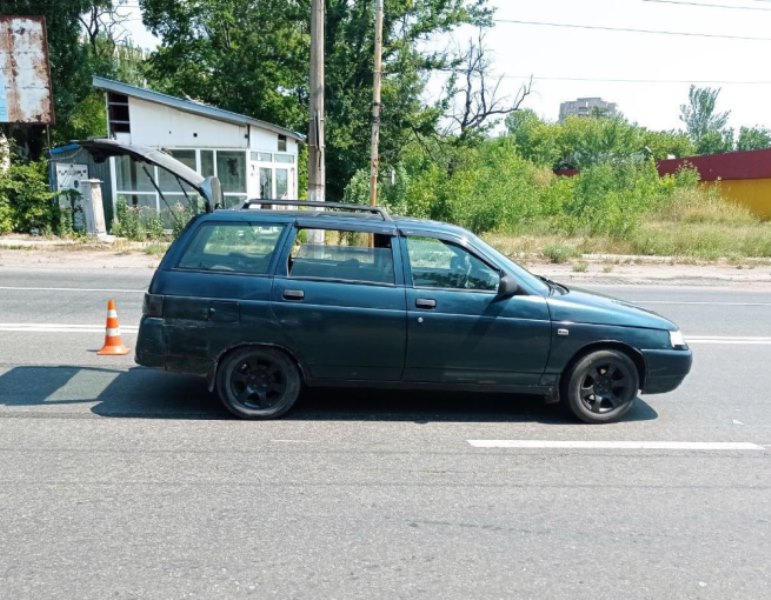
29 252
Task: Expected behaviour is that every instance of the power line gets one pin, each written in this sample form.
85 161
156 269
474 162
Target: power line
645 81
633 30
709 5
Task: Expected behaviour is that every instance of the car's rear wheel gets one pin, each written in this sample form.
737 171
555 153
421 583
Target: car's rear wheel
602 386
258 383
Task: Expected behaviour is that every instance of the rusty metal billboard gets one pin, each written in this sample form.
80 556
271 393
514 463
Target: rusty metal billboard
25 80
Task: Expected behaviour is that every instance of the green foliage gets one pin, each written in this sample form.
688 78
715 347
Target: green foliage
580 142
753 138
136 223
492 187
26 203
89 118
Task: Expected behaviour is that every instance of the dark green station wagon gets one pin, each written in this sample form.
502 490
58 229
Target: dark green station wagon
279 294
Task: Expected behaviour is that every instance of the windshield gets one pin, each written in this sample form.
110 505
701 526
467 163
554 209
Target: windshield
520 272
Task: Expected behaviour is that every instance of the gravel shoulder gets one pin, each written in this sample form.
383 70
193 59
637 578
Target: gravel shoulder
23 252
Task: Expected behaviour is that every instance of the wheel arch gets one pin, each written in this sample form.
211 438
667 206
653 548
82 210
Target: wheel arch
634 354
211 379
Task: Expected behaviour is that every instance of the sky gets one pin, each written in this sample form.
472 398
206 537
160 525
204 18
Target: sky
571 62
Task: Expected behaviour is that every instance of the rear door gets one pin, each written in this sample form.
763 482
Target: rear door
339 297
217 290
458 329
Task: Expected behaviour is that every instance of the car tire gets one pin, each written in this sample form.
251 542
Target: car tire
258 383
602 386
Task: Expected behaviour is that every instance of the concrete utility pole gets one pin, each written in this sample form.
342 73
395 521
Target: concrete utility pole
316 166
376 104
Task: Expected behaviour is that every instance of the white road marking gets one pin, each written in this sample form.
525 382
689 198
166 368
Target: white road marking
728 339
699 303
618 445
70 289
60 328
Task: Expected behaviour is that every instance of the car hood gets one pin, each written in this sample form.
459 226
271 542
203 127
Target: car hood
579 306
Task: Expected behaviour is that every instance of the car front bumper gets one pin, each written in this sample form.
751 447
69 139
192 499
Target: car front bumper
665 369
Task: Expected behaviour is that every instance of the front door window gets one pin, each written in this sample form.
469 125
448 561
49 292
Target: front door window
439 264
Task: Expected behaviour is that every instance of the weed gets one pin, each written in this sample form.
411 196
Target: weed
581 266
156 248
559 253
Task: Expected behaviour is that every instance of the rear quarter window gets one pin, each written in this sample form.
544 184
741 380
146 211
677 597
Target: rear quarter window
232 247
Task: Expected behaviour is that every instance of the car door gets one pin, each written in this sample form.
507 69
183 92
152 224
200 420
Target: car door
459 330
339 298
215 290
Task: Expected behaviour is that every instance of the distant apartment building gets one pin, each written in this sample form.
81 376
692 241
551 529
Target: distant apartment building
586 107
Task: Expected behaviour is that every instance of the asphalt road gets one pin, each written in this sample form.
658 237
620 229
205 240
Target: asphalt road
120 482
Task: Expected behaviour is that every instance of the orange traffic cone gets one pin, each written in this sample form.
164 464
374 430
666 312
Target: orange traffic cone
113 344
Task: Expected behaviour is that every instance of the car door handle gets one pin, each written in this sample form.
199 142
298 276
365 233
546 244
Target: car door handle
425 303
294 294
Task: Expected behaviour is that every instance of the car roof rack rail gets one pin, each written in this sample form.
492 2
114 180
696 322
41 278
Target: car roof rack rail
374 210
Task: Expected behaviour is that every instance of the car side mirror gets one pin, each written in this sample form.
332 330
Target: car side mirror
508 286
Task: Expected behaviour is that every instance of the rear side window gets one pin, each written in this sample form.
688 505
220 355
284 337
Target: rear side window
342 256
232 247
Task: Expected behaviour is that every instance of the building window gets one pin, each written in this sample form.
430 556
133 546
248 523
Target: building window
282 143
266 183
231 170
207 163
285 158
282 184
167 181
118 114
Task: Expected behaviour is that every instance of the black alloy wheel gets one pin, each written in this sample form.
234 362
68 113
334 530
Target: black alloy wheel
602 386
258 383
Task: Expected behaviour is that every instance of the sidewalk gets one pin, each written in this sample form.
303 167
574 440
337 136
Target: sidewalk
25 252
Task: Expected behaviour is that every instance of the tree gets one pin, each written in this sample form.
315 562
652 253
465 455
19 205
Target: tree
753 138
473 93
704 124
252 57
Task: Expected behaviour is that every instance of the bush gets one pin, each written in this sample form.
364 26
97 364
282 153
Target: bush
139 223
26 203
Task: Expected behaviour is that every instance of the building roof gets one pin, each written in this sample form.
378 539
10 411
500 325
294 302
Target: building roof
190 106
748 164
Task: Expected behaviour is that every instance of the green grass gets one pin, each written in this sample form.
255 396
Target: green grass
156 248
692 225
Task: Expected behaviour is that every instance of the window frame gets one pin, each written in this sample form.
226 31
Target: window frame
409 277
270 269
298 226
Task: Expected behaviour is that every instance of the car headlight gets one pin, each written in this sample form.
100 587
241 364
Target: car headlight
677 340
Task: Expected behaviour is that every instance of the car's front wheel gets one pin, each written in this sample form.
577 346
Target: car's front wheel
258 383
602 386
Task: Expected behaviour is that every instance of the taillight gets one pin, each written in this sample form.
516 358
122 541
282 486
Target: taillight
152 305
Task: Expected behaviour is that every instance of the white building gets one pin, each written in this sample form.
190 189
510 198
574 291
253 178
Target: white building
251 158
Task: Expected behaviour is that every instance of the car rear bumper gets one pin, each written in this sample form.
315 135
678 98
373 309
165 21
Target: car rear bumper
665 369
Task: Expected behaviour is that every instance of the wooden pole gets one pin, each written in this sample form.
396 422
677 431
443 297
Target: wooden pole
376 104
316 160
